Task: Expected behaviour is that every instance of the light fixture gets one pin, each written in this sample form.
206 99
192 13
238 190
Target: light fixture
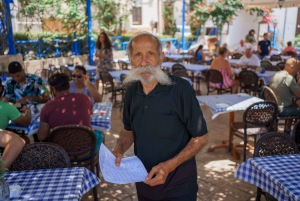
280 3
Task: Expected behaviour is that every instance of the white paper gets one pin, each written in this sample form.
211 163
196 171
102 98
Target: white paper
223 105
130 170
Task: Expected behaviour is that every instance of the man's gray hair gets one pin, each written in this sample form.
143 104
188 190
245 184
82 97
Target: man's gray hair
139 34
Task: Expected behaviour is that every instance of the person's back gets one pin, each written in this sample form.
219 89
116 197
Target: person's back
70 108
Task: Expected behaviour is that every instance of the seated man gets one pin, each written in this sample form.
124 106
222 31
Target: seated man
24 88
169 48
13 146
248 59
240 48
285 88
82 84
9 112
65 108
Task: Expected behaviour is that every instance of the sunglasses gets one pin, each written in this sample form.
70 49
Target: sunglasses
78 76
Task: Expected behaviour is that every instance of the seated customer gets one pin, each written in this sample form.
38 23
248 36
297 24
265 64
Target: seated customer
65 108
169 48
9 112
13 145
24 88
285 88
248 60
82 84
240 48
289 48
222 64
199 54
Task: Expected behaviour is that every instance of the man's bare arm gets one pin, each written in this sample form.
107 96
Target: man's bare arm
25 118
124 142
163 169
43 131
93 92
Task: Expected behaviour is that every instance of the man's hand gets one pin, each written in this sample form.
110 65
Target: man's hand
86 80
4 99
161 171
118 156
23 100
25 109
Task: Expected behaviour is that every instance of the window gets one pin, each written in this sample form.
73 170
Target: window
136 15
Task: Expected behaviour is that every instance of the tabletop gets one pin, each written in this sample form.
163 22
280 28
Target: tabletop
285 57
88 68
266 76
227 102
178 56
196 68
52 184
99 121
116 74
126 60
278 175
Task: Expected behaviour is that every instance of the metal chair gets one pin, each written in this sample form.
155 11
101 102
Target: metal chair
178 67
272 68
248 81
268 95
123 65
181 74
272 144
108 86
41 155
296 134
281 65
259 118
265 64
124 86
215 76
292 54
236 56
193 60
67 71
44 73
275 58
179 61
78 141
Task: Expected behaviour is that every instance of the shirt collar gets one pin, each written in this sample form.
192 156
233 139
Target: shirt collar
157 89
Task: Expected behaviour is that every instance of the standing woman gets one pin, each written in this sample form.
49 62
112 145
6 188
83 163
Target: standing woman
199 53
251 37
105 54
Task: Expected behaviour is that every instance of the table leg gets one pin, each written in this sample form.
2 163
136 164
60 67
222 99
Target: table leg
229 145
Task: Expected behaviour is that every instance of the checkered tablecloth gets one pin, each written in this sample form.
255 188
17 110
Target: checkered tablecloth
227 102
116 74
278 175
101 121
266 76
98 121
196 68
52 184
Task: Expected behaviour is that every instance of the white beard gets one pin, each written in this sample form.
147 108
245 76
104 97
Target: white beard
147 75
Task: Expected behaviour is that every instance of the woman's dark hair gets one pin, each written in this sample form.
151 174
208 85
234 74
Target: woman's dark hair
107 42
289 43
199 48
252 30
59 81
81 68
222 50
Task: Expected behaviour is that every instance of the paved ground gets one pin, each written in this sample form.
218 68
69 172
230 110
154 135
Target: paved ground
215 169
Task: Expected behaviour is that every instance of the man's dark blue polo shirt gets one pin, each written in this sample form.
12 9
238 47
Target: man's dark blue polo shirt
163 122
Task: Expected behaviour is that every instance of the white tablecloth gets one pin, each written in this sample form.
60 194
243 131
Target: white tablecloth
175 56
196 68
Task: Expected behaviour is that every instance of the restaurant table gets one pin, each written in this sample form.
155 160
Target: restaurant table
88 68
99 121
277 175
227 103
194 68
116 74
266 76
284 57
52 184
178 56
126 60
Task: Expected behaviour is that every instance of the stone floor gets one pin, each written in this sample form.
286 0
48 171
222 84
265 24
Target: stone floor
216 169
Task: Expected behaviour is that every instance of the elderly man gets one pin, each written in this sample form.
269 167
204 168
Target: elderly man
249 59
82 84
24 88
163 119
285 88
240 48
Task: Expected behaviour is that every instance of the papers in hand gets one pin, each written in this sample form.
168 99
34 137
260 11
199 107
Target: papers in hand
130 170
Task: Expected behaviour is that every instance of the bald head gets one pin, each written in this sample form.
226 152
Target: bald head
143 35
292 66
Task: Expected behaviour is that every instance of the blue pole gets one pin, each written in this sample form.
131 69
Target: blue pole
10 37
183 24
274 37
90 42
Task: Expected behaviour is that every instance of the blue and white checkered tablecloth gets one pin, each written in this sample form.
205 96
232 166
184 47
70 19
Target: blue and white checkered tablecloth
227 102
278 175
52 184
98 121
101 121
116 74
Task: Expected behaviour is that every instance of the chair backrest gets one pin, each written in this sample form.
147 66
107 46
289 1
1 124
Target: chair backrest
106 78
123 65
275 58
296 134
179 60
275 143
178 67
214 76
122 77
41 155
45 73
292 54
268 95
248 78
193 60
67 71
272 68
281 65
204 62
265 63
166 70
76 140
261 113
236 56
180 74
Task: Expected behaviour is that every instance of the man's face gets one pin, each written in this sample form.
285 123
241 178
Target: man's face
248 53
19 76
266 36
242 43
77 76
144 53
168 45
